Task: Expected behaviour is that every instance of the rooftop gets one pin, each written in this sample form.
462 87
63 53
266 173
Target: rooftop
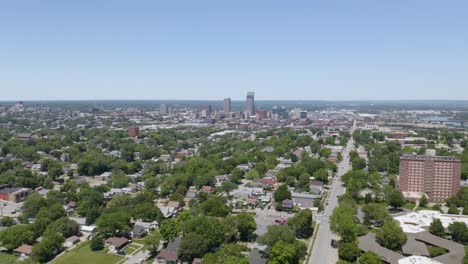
417 260
434 158
415 222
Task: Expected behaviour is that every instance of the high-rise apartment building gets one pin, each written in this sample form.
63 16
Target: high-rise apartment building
250 104
435 176
227 105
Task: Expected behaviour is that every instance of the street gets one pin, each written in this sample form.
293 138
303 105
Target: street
323 252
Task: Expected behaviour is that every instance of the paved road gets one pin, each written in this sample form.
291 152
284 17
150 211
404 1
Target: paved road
322 252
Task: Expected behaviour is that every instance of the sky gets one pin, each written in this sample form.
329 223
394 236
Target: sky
200 49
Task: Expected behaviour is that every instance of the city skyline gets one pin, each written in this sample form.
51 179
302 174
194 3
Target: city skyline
209 50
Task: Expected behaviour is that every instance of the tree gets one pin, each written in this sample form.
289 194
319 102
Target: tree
214 206
277 233
208 227
228 253
114 223
436 228
465 210
228 187
252 174
283 253
7 221
147 212
64 226
301 223
192 246
349 251
97 243
370 258
396 199
282 193
152 242
50 246
423 202
453 209
375 214
14 236
391 236
169 230
459 232
34 202
358 163
246 226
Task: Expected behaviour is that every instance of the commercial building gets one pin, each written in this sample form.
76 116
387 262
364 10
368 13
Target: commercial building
281 112
435 176
133 131
13 194
227 105
250 104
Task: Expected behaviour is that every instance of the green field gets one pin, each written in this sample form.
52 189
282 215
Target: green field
7 258
83 254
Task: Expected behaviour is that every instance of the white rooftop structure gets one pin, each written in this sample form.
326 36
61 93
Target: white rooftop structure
417 260
415 222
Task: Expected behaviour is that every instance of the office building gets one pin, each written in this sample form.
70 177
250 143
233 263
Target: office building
435 176
227 105
250 104
163 109
281 112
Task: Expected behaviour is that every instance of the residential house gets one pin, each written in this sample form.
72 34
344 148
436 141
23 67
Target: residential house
24 136
189 196
69 242
220 179
316 187
23 251
138 231
169 255
207 189
287 204
303 200
116 243
148 226
197 261
87 230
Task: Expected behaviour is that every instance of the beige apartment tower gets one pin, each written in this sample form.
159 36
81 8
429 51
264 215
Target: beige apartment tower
437 177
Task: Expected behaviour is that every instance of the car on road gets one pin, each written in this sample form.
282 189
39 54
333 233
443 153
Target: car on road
122 253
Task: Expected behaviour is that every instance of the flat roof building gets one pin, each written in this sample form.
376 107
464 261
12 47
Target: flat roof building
437 177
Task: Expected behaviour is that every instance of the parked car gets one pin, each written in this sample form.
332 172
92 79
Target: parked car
335 243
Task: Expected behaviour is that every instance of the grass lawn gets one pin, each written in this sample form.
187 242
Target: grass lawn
409 206
83 254
7 258
131 249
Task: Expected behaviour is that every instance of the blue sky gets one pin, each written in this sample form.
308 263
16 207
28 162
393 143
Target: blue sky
330 50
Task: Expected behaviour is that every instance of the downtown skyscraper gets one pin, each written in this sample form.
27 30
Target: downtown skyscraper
250 104
227 105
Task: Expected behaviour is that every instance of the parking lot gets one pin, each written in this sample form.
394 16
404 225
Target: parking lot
9 208
267 217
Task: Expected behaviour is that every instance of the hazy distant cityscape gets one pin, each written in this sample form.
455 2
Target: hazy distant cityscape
233 132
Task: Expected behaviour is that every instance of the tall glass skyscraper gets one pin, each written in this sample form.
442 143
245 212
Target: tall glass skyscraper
250 104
